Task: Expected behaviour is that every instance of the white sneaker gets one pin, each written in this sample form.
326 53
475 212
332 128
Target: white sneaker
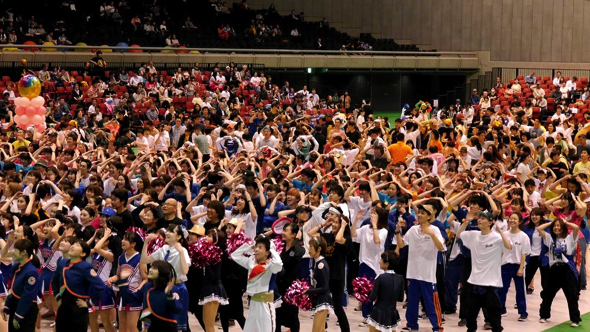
543 320
575 324
363 323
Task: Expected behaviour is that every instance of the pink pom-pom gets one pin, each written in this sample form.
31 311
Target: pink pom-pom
155 244
234 241
279 244
137 231
362 287
295 295
203 253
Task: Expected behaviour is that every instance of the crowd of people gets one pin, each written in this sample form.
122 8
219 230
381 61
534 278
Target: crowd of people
442 210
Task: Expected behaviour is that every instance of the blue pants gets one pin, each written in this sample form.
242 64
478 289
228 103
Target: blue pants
453 276
430 294
367 272
182 316
508 274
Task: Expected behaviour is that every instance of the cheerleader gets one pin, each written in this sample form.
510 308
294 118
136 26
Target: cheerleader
513 265
288 314
160 304
387 290
102 261
262 263
562 268
50 258
195 277
212 294
320 280
175 253
233 278
128 279
20 310
80 283
338 247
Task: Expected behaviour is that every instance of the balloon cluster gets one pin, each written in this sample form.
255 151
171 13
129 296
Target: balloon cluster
29 107
234 241
295 295
279 244
362 287
203 253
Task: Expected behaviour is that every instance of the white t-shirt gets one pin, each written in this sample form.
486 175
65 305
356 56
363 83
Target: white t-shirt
522 171
249 224
163 142
568 245
534 199
422 253
370 252
520 245
142 144
173 259
486 257
536 243
356 205
200 209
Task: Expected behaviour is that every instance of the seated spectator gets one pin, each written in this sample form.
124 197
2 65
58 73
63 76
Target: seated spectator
44 74
63 40
188 24
222 33
3 37
172 41
531 79
12 38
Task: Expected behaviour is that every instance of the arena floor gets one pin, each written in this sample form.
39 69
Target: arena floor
510 322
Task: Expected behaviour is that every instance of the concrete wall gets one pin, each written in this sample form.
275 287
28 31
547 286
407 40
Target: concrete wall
512 30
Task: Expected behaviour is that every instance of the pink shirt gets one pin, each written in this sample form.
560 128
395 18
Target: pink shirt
571 216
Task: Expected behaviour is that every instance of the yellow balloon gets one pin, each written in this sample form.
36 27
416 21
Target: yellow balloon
195 52
168 49
81 50
106 50
48 49
10 48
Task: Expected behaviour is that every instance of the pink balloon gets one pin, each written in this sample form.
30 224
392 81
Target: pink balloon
40 127
37 101
22 102
37 119
30 111
25 120
41 110
19 110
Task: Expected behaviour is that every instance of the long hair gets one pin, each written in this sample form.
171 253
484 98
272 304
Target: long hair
246 209
27 246
177 229
382 215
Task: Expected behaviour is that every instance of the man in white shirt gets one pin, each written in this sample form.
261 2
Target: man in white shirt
556 80
267 139
485 279
425 241
162 140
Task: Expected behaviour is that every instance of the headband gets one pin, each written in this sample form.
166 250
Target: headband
316 240
334 210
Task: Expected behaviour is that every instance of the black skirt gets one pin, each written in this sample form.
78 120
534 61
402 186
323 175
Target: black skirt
213 293
383 321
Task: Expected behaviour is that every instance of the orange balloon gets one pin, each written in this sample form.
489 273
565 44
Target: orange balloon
135 49
182 51
30 42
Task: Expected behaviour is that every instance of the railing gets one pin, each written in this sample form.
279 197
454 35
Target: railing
125 49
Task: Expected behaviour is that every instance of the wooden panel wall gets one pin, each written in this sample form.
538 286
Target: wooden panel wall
512 30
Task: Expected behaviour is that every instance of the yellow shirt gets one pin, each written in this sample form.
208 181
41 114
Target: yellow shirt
17 144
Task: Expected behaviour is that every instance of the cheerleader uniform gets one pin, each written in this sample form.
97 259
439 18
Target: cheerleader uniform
128 299
387 290
75 281
172 256
320 280
50 258
233 279
213 290
103 269
159 309
21 304
5 272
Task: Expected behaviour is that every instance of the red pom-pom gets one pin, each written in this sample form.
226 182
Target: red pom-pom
203 253
234 241
155 244
279 244
295 295
362 287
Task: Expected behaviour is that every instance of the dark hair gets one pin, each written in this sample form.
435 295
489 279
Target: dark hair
165 273
121 194
391 258
261 239
85 247
382 219
28 246
218 207
563 228
293 226
133 237
177 229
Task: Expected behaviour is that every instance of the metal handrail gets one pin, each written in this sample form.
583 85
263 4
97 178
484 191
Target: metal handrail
61 48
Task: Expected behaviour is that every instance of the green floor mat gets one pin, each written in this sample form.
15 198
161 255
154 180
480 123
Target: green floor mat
565 326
